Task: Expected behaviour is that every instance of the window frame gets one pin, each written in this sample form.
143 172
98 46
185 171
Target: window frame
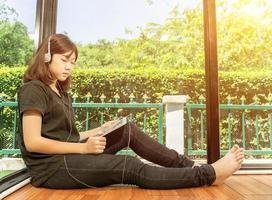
45 25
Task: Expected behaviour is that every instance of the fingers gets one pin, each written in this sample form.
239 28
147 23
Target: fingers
98 134
101 141
100 149
108 123
96 144
100 144
97 139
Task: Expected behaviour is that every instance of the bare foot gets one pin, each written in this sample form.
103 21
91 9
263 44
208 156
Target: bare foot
229 164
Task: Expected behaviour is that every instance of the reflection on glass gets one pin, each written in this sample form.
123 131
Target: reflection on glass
151 48
16 48
244 55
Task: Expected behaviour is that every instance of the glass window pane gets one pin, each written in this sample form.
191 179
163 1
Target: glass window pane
244 55
160 40
17 20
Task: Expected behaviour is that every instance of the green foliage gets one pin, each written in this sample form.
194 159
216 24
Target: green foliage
243 40
5 137
245 83
11 78
5 173
156 83
96 55
153 82
243 32
166 59
16 47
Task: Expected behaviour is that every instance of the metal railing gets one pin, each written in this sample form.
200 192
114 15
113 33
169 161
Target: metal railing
155 108
248 125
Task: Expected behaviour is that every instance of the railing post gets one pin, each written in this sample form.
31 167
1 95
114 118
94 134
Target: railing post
175 121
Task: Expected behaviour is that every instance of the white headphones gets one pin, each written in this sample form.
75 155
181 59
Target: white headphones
47 56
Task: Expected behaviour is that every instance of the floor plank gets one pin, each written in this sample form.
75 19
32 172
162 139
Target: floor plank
265 179
258 197
246 185
238 187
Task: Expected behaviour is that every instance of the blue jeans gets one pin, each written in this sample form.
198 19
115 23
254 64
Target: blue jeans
98 170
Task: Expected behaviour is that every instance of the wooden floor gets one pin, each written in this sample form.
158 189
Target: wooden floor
250 187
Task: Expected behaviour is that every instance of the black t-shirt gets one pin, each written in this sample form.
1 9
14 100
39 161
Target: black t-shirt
57 124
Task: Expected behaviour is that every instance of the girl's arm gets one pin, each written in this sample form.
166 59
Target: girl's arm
34 142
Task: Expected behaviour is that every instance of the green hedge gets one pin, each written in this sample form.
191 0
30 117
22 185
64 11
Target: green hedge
155 83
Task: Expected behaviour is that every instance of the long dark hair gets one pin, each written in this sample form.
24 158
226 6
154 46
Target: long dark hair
38 69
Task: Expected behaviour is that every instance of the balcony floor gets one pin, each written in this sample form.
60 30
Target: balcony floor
257 187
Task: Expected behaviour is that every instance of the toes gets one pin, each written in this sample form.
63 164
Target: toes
239 155
240 162
240 158
234 148
239 151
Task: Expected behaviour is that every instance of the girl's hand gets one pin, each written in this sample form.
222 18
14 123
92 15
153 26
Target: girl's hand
95 132
108 124
96 143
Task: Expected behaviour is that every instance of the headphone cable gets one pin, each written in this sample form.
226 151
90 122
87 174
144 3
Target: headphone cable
68 115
